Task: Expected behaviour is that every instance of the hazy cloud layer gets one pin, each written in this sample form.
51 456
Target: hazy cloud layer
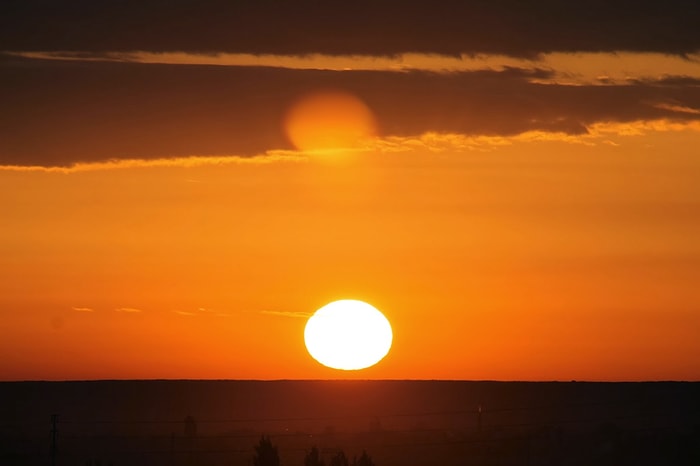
59 113
369 27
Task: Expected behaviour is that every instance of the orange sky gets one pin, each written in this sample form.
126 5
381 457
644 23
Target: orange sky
515 185
531 260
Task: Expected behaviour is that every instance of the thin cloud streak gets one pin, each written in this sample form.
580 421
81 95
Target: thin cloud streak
83 309
129 310
576 69
183 162
598 133
290 314
212 312
201 312
679 108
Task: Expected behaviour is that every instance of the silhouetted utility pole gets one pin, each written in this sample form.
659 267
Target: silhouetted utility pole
54 420
478 419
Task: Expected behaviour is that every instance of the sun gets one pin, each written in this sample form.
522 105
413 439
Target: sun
329 121
348 335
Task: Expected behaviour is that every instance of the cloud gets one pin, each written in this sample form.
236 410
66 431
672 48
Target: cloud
183 162
128 310
212 312
73 116
201 311
597 133
678 108
600 68
83 309
370 27
292 314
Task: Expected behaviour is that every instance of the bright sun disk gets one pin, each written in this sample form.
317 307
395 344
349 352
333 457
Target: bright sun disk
348 335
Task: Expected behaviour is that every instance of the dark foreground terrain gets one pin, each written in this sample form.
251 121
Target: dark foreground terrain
396 422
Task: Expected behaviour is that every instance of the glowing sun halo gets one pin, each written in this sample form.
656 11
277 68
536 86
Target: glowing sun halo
329 121
348 335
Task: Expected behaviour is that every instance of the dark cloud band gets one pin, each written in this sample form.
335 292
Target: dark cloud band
60 113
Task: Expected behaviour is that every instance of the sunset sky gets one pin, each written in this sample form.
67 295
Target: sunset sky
516 187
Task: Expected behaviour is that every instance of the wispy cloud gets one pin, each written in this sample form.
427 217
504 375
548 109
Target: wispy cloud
431 141
202 311
292 314
597 133
271 156
128 310
678 108
582 68
83 309
212 312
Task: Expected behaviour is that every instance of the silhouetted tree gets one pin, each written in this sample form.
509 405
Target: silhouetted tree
265 453
364 460
313 458
339 459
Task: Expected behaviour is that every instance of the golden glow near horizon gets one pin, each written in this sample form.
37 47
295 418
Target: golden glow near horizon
548 259
348 335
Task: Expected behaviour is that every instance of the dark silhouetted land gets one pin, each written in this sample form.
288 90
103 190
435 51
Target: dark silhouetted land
396 422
